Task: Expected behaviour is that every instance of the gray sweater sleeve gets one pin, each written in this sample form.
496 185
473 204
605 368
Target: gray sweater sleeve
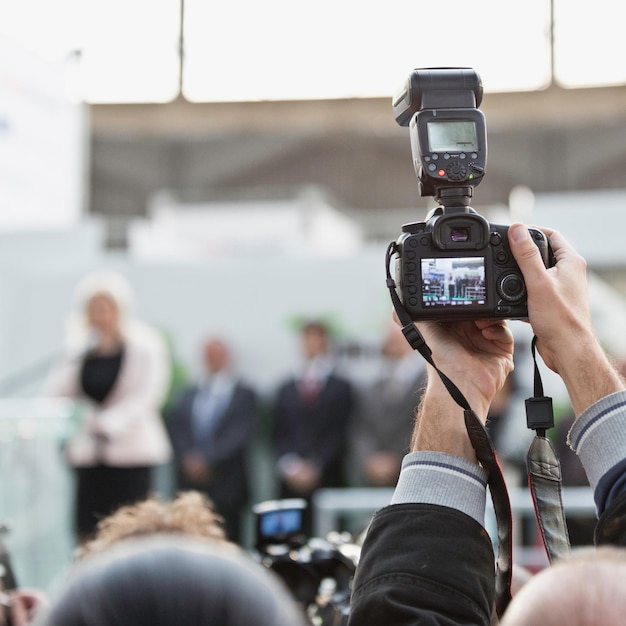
443 479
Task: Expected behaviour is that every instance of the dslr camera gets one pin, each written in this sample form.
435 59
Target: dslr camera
455 265
318 572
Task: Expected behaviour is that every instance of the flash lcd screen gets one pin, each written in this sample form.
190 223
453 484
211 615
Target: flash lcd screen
452 136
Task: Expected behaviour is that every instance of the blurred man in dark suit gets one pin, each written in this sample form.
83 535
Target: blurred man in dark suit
384 420
311 418
211 425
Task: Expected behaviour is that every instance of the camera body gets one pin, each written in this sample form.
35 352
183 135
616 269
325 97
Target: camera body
317 572
455 265
458 266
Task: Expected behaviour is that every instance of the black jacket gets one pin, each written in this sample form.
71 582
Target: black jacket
423 564
426 564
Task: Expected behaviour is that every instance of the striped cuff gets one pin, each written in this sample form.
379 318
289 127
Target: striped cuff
438 478
598 436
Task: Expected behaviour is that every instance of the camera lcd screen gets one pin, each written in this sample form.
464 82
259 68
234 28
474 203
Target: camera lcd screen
281 522
453 282
452 136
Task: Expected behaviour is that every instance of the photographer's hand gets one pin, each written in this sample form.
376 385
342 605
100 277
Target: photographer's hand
559 313
476 357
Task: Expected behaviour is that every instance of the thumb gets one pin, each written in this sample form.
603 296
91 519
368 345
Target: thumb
526 253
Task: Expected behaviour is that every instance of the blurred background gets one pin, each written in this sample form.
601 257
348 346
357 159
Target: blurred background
239 162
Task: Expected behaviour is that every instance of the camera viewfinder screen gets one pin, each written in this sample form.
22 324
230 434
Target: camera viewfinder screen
452 136
281 522
453 282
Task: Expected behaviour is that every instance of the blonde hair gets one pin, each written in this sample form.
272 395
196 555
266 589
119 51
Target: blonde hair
107 283
190 513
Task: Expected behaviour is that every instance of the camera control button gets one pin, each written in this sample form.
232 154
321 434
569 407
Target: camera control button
446 156
435 156
512 288
462 156
501 257
432 167
456 171
425 241
495 239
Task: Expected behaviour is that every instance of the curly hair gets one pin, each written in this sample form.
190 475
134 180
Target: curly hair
190 513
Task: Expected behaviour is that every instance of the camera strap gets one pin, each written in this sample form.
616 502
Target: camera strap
481 442
544 472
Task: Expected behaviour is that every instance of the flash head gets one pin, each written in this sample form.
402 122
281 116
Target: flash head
435 88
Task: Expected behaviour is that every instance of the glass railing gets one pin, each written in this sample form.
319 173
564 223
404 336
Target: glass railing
36 487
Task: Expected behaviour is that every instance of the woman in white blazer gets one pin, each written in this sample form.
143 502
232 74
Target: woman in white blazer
117 369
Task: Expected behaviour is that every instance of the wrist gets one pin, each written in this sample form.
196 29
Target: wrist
440 425
588 375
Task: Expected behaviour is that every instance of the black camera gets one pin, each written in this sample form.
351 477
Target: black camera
318 572
455 265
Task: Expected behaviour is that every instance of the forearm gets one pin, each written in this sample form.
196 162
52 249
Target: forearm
440 423
587 372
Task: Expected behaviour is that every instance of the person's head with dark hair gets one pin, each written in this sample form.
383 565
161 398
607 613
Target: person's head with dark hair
315 338
170 579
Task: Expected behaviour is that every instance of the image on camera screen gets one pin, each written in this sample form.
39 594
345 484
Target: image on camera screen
282 522
457 281
452 136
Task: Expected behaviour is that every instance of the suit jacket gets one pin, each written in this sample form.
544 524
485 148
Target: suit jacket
225 450
315 429
385 422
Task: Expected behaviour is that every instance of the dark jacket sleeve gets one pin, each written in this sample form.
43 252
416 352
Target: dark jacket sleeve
611 527
424 564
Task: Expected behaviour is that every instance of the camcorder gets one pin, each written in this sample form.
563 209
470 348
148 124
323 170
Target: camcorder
455 265
318 572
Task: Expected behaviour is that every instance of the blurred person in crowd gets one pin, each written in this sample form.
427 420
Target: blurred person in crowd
211 425
172 579
189 513
384 419
117 370
311 417
584 588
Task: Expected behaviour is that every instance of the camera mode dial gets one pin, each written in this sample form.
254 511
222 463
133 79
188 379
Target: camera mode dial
511 288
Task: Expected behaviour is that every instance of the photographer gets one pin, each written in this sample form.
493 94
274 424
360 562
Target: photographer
427 558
